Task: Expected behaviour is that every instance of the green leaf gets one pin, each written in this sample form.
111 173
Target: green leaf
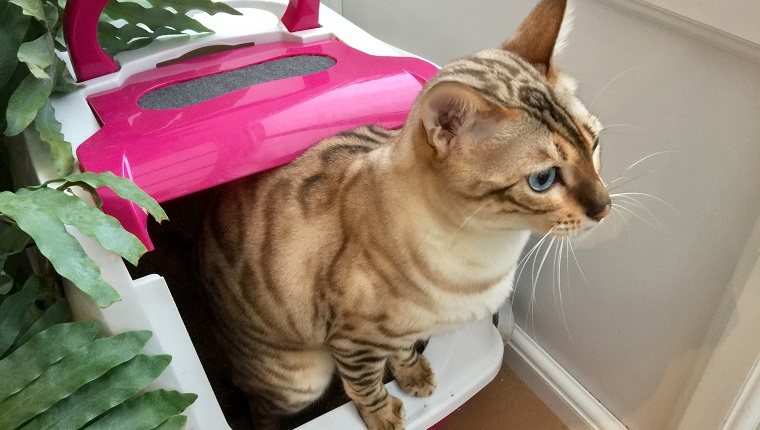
185 6
69 374
176 422
6 182
38 55
168 31
61 248
50 132
145 412
58 313
123 187
129 36
63 82
31 359
126 32
32 8
102 394
73 211
153 18
19 74
13 26
66 186
108 39
60 42
12 312
24 103
51 14
6 283
13 240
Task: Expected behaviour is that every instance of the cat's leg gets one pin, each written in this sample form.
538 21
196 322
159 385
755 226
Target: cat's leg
361 370
412 372
282 383
266 414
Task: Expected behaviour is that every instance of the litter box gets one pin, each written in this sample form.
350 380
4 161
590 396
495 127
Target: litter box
131 116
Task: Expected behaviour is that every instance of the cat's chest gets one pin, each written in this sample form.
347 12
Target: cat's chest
469 283
457 309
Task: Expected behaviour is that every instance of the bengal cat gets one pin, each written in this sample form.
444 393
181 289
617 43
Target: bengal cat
374 239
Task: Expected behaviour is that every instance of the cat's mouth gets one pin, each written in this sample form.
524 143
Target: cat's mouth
574 230
566 232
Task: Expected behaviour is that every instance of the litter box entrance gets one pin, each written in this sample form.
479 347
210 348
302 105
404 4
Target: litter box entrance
173 259
198 90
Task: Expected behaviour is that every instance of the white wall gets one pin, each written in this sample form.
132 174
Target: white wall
639 331
738 17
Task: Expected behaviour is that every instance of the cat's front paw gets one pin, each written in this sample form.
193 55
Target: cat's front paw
389 417
417 380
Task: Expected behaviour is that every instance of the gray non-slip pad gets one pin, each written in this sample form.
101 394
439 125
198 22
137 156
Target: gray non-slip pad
205 88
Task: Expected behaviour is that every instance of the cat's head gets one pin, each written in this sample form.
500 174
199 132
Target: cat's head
505 131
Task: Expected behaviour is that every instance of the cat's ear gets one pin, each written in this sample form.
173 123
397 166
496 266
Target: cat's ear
448 110
542 33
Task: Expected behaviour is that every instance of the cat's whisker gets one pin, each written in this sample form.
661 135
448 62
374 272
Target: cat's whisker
642 159
622 217
621 175
451 239
634 201
632 212
537 274
534 252
669 206
522 264
632 179
618 76
524 260
554 268
608 126
619 178
533 276
614 220
567 254
577 263
559 286
613 130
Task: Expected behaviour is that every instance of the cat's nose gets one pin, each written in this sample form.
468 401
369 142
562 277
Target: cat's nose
599 211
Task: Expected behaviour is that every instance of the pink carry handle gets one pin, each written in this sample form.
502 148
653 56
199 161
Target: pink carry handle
301 15
80 29
90 61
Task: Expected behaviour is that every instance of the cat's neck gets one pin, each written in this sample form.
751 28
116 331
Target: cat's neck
408 169
433 219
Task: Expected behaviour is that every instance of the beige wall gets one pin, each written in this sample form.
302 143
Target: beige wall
637 334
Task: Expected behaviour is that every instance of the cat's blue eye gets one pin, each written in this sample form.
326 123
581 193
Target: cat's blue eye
541 181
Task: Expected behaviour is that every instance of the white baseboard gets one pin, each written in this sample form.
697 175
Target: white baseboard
564 395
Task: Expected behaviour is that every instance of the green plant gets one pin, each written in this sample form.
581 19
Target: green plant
56 374
43 213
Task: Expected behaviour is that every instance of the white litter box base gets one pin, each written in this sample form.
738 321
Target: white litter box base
464 360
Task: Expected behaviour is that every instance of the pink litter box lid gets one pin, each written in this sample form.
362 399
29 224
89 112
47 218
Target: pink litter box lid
171 148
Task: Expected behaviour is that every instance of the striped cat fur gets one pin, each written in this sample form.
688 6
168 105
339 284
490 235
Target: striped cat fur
374 239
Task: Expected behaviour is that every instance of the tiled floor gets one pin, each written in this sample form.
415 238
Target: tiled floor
504 404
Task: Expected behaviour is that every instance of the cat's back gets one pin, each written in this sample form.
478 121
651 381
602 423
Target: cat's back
282 227
308 187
